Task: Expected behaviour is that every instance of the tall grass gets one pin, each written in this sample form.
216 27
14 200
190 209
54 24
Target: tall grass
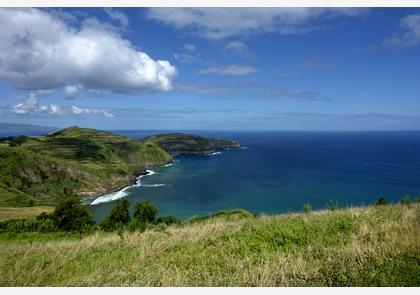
369 246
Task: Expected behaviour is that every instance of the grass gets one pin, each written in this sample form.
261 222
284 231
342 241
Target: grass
23 212
367 246
72 161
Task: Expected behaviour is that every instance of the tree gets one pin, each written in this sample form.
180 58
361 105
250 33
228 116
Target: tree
119 215
145 212
71 215
382 201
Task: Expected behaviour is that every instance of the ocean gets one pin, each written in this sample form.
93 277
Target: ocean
276 172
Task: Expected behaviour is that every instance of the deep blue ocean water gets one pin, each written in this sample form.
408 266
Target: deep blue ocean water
277 172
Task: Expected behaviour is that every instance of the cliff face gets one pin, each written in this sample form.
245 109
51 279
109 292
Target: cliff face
86 162
179 143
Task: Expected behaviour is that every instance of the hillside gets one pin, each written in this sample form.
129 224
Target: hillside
72 161
367 246
38 170
179 143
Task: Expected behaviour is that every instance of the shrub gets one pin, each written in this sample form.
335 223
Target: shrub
307 208
145 212
406 200
28 225
382 201
136 225
119 215
168 220
71 215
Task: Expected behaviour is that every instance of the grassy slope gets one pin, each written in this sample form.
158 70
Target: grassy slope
371 246
180 143
72 161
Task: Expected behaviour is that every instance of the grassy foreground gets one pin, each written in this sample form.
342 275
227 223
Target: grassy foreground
368 246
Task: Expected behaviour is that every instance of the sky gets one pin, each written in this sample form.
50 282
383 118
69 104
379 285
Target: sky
211 68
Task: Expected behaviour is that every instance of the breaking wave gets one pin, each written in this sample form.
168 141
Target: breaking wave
123 192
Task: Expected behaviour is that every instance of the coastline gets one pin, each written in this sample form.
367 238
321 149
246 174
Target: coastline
120 193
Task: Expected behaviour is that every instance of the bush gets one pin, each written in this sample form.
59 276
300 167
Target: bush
168 220
145 212
406 200
382 201
71 215
136 225
307 208
119 215
28 225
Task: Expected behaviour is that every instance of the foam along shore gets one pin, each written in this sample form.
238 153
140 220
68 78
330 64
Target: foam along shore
122 192
214 153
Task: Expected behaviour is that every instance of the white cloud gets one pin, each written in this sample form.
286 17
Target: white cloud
84 111
410 25
234 70
39 51
71 91
31 106
117 15
236 47
219 23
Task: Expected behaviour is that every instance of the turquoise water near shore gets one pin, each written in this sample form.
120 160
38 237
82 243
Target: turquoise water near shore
276 172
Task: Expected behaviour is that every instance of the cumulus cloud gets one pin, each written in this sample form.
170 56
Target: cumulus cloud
410 36
31 106
39 51
71 91
118 16
219 23
233 70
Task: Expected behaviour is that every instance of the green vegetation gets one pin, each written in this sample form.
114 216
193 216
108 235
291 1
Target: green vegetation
307 208
119 215
70 215
179 143
382 201
367 246
41 170
145 212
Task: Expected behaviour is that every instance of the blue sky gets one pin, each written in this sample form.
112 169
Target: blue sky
233 69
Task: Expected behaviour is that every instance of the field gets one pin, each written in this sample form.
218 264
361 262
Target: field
367 246
23 212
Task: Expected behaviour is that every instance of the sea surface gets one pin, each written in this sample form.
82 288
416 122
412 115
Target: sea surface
277 172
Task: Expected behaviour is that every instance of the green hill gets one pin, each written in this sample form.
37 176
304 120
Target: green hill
179 143
367 246
71 161
87 162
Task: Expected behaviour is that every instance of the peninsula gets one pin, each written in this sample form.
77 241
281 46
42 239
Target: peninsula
39 170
